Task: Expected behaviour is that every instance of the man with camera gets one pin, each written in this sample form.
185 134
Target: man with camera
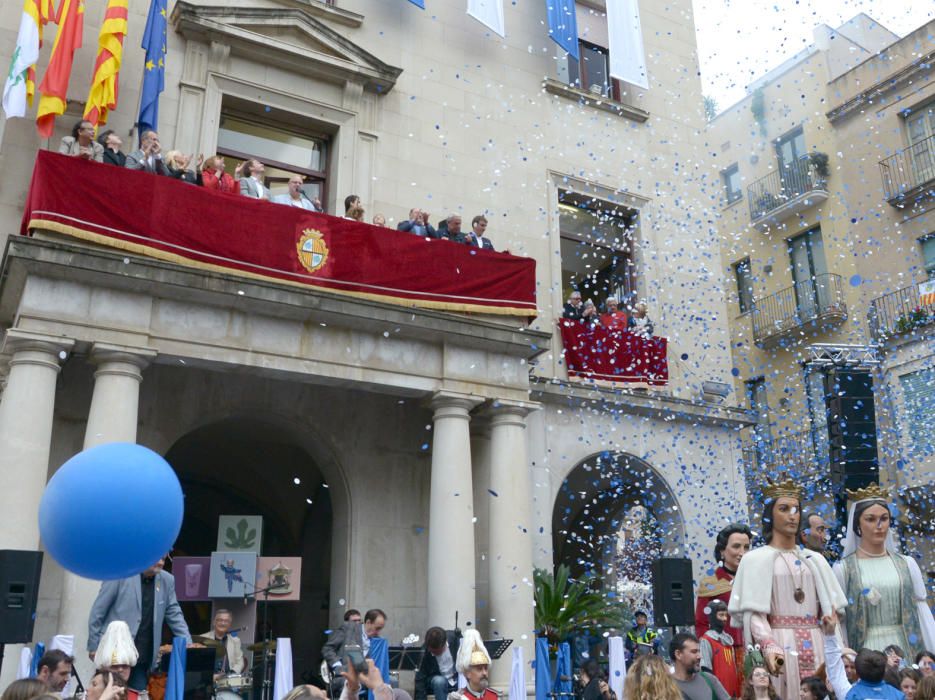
351 634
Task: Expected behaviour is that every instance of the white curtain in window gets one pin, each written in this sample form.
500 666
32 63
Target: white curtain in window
489 13
627 57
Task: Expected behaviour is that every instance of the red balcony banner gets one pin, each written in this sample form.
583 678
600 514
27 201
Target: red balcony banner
594 352
182 223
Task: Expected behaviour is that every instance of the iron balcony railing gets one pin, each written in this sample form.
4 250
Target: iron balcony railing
899 312
817 300
908 169
781 186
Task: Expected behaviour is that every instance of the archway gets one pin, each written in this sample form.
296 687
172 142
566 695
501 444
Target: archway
613 515
248 466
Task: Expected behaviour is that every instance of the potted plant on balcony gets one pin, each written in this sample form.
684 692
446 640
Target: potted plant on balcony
819 164
916 318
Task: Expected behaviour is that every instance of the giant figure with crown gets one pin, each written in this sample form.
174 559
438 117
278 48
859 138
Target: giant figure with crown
885 589
782 592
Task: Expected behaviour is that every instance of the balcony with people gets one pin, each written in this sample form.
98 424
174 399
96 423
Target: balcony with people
816 302
795 185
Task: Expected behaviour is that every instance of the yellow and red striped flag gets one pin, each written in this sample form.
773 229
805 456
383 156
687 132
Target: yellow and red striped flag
20 85
54 84
103 95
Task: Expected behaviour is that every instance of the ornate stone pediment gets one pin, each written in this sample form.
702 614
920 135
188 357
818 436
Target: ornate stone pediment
286 37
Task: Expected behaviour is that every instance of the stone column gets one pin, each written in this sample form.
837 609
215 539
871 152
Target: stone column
511 537
451 513
26 413
26 410
480 463
112 418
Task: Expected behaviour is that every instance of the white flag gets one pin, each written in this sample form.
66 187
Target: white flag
627 58
25 55
489 13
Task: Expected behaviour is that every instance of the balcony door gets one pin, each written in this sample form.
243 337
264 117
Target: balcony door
762 435
793 168
921 128
809 274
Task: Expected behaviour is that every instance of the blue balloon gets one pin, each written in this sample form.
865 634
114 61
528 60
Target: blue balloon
111 511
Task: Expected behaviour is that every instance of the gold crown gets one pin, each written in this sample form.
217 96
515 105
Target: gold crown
874 491
780 489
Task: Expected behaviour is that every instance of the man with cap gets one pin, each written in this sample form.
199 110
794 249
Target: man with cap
474 664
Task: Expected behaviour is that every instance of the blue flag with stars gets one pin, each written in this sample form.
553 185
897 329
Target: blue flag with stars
154 69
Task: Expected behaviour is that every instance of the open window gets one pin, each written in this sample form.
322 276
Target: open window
597 248
286 143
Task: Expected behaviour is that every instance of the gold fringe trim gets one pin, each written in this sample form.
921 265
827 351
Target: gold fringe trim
159 254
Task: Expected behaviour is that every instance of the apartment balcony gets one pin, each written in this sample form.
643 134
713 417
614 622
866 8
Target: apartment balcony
899 313
816 303
786 192
909 175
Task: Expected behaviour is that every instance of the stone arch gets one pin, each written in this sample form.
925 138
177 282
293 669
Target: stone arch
591 507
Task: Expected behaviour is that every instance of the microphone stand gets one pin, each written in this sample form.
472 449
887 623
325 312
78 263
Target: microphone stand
265 692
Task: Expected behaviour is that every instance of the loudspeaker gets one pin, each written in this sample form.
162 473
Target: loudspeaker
19 592
673 597
852 426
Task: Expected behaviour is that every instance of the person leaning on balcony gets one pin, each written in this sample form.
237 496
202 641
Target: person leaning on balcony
614 319
573 307
177 164
251 182
476 236
639 322
81 143
353 209
418 223
296 196
589 315
112 153
214 177
148 157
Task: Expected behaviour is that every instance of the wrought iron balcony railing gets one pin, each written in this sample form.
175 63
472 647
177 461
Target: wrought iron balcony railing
794 453
909 173
783 188
814 302
899 312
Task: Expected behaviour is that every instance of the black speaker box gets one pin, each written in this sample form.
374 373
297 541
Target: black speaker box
19 592
673 596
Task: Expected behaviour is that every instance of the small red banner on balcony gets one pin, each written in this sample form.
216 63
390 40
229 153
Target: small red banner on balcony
613 355
182 223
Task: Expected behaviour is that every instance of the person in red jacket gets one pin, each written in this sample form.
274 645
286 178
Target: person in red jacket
213 176
717 650
731 544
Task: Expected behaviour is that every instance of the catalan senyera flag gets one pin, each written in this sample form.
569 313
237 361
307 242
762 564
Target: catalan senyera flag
20 84
55 82
103 95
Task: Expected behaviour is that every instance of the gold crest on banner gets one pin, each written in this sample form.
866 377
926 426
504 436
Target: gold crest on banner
312 250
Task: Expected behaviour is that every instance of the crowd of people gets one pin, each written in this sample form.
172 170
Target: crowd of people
635 320
248 181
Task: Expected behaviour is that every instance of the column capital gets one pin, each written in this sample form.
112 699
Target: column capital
106 352
504 411
454 403
17 339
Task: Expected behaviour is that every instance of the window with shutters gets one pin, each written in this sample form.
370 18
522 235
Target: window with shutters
919 397
928 254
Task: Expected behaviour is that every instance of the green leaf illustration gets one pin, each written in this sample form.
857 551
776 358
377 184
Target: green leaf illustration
241 539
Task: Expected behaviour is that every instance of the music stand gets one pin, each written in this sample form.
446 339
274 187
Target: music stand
406 658
496 647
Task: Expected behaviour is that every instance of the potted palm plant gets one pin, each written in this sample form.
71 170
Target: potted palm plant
819 163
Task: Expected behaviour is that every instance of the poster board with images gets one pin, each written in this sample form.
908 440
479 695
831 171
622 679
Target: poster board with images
240 533
232 574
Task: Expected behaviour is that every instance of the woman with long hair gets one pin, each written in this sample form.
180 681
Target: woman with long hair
909 680
926 688
25 689
758 686
649 679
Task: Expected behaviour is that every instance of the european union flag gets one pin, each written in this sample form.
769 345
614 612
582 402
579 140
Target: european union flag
563 25
154 70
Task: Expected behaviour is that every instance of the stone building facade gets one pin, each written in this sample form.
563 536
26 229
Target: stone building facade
439 456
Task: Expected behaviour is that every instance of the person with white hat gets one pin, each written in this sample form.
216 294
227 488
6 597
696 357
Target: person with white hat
117 653
474 664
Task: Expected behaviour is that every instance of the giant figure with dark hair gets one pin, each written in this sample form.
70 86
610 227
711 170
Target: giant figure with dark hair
782 591
885 588
732 543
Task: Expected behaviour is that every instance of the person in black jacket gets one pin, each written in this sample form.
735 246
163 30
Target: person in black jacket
437 674
112 153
